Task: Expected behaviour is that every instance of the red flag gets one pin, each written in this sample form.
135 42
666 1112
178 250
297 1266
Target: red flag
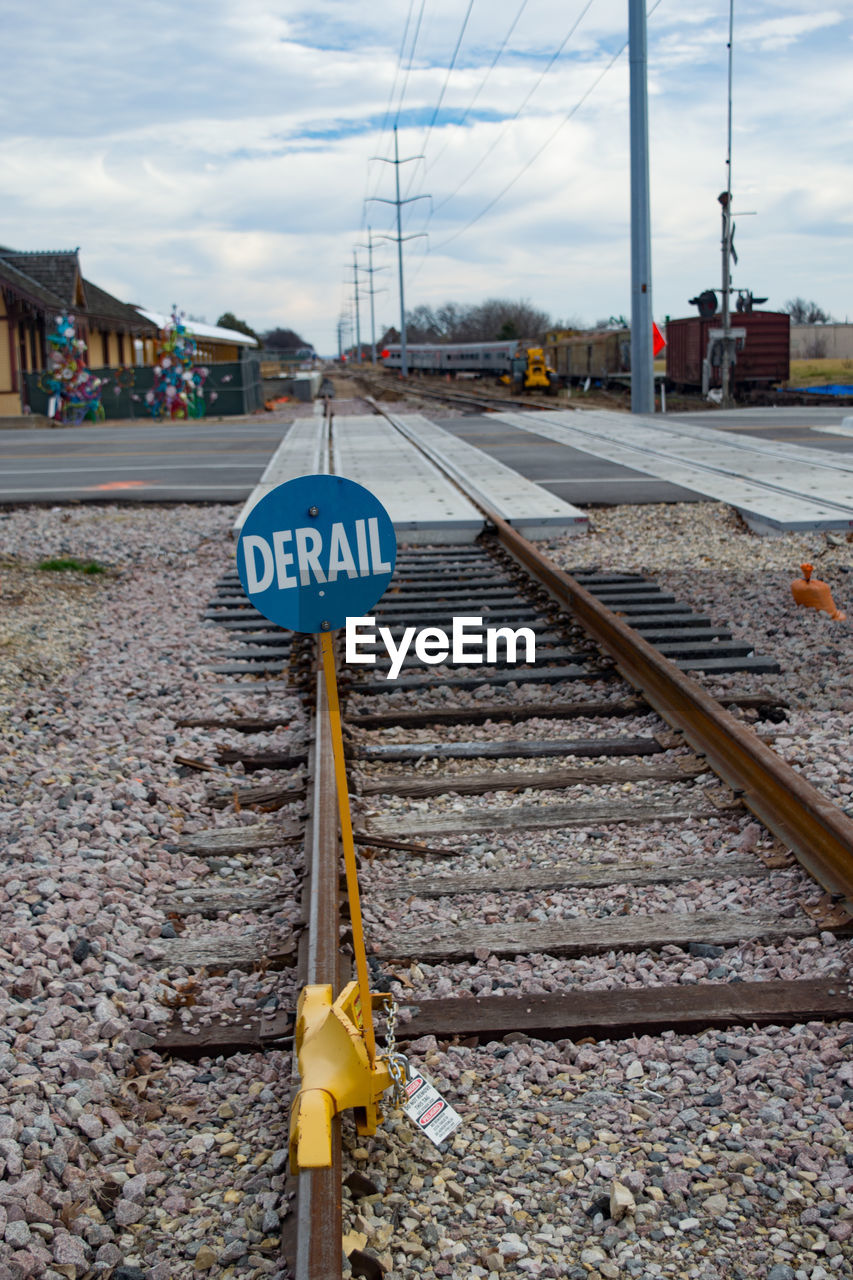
658 340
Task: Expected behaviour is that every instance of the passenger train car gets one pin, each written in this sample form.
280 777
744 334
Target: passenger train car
490 358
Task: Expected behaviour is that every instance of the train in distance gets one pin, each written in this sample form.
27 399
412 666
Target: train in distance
510 361
571 357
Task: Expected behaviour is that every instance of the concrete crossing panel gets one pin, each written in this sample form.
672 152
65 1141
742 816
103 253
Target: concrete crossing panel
424 506
776 487
304 451
529 508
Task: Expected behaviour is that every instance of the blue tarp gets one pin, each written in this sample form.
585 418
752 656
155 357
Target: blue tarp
834 389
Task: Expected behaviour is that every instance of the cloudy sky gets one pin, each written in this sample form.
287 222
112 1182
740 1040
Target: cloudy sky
217 155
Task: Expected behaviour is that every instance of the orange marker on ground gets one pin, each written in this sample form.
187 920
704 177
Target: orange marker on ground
815 594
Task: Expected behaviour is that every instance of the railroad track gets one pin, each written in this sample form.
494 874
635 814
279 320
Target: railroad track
521 807
473 401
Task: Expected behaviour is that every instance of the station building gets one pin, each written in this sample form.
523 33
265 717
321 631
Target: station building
37 287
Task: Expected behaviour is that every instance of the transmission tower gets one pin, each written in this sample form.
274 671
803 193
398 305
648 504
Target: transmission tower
400 238
372 289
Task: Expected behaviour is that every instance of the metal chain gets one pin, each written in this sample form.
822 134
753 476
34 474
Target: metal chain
398 1063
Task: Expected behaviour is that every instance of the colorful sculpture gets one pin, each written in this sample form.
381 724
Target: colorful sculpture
75 392
178 390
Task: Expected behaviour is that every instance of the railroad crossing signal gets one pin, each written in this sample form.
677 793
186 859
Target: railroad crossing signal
658 341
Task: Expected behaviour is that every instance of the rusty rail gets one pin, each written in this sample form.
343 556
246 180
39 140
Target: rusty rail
319 1191
817 832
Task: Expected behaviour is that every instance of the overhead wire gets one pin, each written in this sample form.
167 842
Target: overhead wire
387 115
452 64
481 86
577 106
402 95
465 114
518 109
411 61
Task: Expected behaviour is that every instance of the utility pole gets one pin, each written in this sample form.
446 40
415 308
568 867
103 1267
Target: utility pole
372 290
340 338
726 201
357 312
399 237
642 359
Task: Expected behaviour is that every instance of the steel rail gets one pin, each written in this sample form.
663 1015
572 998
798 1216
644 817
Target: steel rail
817 832
414 389
319 1194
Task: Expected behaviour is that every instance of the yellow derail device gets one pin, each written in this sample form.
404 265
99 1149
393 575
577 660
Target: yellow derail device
313 552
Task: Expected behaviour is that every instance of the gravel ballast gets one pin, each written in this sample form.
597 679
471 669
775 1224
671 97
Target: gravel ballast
726 1154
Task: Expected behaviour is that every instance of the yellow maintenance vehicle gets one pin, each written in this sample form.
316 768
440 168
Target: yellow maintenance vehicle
531 370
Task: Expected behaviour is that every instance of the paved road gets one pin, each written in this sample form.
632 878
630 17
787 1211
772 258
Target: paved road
585 480
192 462
223 461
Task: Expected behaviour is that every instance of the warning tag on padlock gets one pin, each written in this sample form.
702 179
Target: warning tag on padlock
428 1110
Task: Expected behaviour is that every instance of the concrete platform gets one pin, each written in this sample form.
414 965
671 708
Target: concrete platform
424 506
776 487
304 451
529 508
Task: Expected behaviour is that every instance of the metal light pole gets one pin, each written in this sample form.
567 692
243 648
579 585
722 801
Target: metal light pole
726 202
399 237
642 359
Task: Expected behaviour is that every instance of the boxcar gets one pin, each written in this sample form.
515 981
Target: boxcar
763 356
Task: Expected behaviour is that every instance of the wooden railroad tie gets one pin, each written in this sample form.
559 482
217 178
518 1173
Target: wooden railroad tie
574 1015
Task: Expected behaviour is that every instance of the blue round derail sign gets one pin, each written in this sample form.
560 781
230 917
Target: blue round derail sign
316 551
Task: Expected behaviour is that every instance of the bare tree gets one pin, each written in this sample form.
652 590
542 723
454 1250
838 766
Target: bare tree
284 340
496 319
802 312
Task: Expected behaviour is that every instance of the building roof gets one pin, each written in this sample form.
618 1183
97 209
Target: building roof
49 280
199 330
57 271
25 286
103 306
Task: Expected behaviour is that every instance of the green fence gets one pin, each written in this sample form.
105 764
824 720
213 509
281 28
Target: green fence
230 389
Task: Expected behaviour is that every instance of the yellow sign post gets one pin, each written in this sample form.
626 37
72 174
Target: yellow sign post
335 1039
313 552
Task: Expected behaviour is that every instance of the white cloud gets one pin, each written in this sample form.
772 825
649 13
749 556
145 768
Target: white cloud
216 155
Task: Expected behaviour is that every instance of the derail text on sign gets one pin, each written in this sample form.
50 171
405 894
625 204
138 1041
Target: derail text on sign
315 551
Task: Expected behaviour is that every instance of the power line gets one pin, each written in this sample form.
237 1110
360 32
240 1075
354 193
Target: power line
402 91
411 61
481 86
387 115
520 108
581 100
397 71
449 73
